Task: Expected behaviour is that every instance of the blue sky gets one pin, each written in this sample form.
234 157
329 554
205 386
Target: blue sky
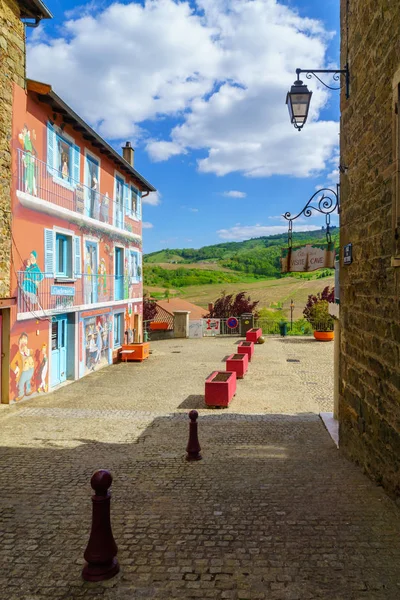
199 88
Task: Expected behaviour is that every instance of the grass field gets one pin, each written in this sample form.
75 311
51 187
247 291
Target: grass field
266 291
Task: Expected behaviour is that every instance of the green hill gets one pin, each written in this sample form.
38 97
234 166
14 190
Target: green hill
253 259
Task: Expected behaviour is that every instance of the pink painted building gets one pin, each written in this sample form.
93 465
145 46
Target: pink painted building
77 245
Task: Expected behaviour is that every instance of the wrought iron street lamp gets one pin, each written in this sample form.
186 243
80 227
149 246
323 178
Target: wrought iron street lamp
299 97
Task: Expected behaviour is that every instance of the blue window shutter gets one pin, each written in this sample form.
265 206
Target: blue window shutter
51 148
49 252
77 257
127 198
76 165
139 205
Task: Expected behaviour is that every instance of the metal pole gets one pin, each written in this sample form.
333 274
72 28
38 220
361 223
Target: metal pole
291 314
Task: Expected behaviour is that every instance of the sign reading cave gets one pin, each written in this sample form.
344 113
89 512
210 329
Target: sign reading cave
309 257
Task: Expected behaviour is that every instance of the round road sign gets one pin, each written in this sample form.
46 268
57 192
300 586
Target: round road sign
232 322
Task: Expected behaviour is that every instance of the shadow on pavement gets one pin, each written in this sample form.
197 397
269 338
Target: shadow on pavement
272 509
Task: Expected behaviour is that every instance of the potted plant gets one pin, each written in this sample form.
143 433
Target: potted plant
317 314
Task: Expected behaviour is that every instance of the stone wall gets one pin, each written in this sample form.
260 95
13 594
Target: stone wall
369 386
12 69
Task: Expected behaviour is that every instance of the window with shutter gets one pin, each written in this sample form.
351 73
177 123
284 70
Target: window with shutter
127 199
139 205
76 165
77 257
51 144
49 254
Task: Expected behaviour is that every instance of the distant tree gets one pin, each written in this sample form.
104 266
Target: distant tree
149 309
229 305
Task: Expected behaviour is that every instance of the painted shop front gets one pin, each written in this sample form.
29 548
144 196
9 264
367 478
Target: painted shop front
77 259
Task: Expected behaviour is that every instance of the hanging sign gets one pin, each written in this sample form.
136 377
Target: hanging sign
309 257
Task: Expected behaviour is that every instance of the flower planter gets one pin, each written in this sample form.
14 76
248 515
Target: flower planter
135 351
246 348
324 336
238 363
220 388
253 334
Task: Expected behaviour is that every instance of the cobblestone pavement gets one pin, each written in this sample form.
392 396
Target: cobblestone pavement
271 512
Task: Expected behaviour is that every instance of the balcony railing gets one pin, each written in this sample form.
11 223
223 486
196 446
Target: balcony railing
43 181
38 293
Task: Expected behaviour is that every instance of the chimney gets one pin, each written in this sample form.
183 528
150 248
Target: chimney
128 153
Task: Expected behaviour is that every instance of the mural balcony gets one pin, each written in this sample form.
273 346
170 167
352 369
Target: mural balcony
41 294
43 188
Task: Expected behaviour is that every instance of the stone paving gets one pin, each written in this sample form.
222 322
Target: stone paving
271 512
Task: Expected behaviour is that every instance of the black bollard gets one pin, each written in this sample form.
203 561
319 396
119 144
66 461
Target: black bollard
101 551
193 447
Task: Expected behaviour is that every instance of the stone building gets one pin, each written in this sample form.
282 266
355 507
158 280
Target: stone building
14 16
369 380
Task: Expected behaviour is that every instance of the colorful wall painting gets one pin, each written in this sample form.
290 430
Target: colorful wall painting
97 342
29 360
32 276
28 160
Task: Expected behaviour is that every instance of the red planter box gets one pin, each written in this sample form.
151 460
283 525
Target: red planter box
238 363
253 334
220 388
246 348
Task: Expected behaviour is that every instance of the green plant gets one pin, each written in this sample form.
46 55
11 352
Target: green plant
319 316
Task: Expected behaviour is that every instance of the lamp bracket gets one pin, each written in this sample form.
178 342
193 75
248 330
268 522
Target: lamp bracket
336 73
324 201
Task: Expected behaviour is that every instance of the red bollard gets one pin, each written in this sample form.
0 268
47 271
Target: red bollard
101 550
193 447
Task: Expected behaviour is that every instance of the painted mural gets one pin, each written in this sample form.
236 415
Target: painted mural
64 271
32 276
96 340
26 138
29 362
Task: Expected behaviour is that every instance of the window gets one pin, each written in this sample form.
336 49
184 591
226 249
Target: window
136 200
118 329
135 266
63 157
63 255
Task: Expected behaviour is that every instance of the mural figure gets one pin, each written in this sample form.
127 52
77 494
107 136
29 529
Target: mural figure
102 279
28 159
88 278
104 208
94 198
32 277
23 366
44 367
97 341
64 158
126 279
64 168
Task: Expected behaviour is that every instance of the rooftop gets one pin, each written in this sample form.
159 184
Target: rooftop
46 95
34 9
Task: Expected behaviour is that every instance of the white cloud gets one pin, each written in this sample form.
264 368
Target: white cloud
194 210
234 194
147 225
153 199
220 68
246 232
